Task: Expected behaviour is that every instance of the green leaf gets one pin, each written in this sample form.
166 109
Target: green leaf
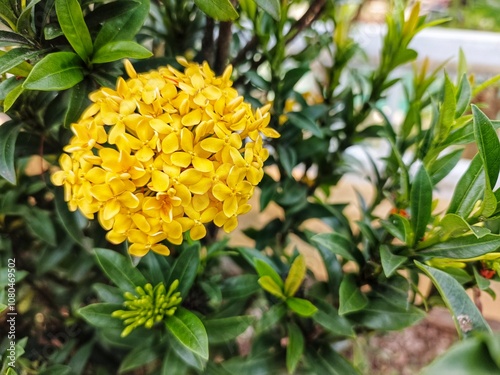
123 27
264 269
120 270
99 315
489 149
40 223
400 228
469 189
241 286
108 293
351 298
68 219
295 347
466 357
12 96
76 99
305 123
287 158
339 245
421 203
185 269
453 225
56 71
70 17
301 306
24 24
172 364
328 361
120 50
139 356
328 318
295 276
273 7
381 315
464 96
443 166
467 317
55 370
447 110
271 317
15 57
390 261
189 331
464 247
8 136
221 10
269 285
2 307
481 282
227 329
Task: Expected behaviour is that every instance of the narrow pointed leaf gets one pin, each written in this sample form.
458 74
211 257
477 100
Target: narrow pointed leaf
119 50
464 247
273 7
464 96
184 269
421 203
351 298
99 315
227 329
301 306
390 261
8 136
15 57
9 38
221 10
295 276
264 269
295 347
270 286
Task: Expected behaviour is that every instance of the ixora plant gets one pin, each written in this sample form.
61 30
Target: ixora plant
117 177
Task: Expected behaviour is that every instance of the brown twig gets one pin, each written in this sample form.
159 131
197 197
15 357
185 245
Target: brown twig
223 45
207 43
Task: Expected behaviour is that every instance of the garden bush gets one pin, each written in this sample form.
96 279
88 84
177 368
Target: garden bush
138 133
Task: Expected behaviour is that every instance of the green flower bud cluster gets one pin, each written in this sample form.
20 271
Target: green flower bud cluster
149 306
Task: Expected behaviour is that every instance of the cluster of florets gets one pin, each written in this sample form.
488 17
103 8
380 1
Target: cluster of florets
163 154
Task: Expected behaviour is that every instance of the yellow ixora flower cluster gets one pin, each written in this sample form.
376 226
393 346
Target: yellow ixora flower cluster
163 154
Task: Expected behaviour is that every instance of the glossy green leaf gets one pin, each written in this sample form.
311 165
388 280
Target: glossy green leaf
327 316
453 225
264 269
421 203
467 317
41 225
273 7
120 270
70 17
8 136
76 99
295 347
227 329
295 276
443 166
287 158
380 315
469 189
489 150
108 293
189 331
120 50
390 262
400 228
482 283
11 97
172 364
464 247
301 306
185 269
466 357
124 26
305 123
464 96
269 285
24 24
447 110
99 315
7 15
271 317
140 356
241 286
339 245
221 10
351 298
16 57
56 71
68 219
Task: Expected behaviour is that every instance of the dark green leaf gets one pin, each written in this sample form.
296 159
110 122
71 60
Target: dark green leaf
421 203
104 12
464 247
351 298
287 158
12 39
227 329
172 364
8 136
119 50
464 96
447 110
469 189
76 99
305 123
189 331
400 228
293 75
328 361
11 97
79 359
70 17
25 22
221 10
16 56
390 262
108 293
99 315
443 166
301 306
468 318
120 270
328 317
55 370
68 219
56 71
273 7
271 317
481 282
7 15
40 223
295 347
339 245
123 27
242 286
185 269
138 357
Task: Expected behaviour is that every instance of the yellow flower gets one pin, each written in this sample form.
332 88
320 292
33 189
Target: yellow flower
163 154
